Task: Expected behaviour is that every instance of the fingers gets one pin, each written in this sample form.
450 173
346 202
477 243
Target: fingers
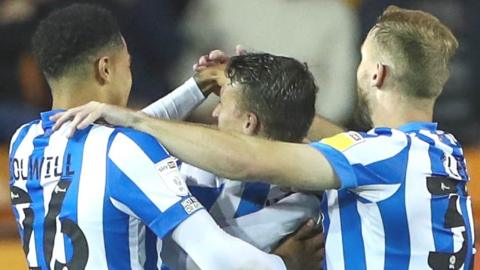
87 121
62 117
218 56
305 231
81 117
74 124
239 50
213 58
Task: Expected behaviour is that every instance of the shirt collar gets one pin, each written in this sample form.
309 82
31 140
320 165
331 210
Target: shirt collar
45 116
416 126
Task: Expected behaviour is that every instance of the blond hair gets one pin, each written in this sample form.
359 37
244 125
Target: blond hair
419 46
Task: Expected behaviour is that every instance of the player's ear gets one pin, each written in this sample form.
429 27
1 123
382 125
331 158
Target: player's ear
103 69
378 77
252 124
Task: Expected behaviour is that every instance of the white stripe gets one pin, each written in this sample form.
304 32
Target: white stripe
373 235
334 244
418 204
159 251
378 148
138 167
91 192
55 148
134 242
58 247
14 138
32 255
457 231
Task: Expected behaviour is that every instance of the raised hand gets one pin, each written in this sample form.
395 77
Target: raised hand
216 57
85 115
210 70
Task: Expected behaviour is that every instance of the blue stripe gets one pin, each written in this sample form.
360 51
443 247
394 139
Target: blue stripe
115 224
149 145
74 148
253 199
151 250
439 204
352 239
393 211
35 190
115 236
395 225
466 219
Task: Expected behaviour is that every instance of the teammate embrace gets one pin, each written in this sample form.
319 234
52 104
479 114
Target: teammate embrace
394 197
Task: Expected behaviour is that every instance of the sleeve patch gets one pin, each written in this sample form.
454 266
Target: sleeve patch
171 176
343 141
191 205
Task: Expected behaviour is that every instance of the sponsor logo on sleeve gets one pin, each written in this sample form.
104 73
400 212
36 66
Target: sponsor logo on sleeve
171 176
343 141
191 205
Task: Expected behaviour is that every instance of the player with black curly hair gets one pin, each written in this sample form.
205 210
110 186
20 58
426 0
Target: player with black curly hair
100 199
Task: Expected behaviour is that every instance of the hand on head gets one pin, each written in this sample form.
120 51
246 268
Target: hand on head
210 70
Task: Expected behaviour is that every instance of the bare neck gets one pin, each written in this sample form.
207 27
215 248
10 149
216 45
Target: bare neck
68 94
394 111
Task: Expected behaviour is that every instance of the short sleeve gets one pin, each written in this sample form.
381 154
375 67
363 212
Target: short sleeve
361 159
143 181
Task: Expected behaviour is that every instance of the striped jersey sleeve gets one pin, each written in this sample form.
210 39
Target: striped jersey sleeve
143 181
363 159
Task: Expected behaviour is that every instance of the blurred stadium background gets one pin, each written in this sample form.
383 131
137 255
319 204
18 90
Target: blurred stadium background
166 36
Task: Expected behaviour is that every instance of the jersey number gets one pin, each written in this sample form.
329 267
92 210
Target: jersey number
67 227
442 186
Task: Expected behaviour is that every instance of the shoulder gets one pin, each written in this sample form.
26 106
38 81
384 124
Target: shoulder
360 147
127 141
20 133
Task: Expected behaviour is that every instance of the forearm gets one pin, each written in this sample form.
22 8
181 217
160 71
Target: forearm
236 156
212 248
190 143
178 104
323 128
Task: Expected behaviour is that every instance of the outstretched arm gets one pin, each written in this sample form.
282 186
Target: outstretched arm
230 155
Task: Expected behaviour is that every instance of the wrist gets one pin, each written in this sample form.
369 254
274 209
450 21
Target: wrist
205 84
288 263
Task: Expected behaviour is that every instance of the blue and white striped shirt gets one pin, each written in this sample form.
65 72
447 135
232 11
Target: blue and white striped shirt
402 203
86 202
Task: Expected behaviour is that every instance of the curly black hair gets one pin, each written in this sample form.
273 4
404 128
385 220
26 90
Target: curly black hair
68 37
280 90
